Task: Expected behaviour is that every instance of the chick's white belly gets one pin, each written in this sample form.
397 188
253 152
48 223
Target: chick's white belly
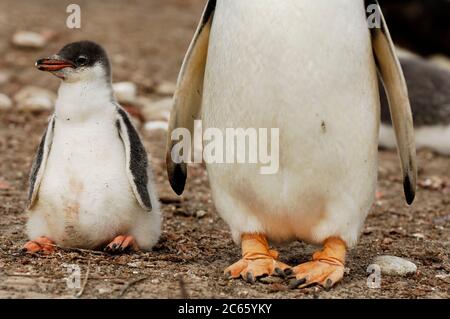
85 196
318 86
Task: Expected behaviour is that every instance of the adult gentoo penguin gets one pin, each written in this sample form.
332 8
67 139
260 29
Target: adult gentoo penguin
90 185
308 68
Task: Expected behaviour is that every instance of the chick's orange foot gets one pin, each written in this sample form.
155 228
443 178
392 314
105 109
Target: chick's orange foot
122 243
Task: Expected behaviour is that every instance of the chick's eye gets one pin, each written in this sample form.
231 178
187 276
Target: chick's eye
81 60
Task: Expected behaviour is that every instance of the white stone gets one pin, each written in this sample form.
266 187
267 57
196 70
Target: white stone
200 214
34 99
103 291
165 88
28 39
5 102
135 264
418 236
125 92
157 111
392 265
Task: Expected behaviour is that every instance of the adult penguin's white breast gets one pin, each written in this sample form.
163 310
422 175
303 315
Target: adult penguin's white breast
307 68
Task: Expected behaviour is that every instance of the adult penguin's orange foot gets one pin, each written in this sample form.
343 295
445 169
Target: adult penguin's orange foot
257 260
326 268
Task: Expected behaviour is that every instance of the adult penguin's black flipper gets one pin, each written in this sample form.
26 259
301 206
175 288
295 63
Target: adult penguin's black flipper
188 97
395 85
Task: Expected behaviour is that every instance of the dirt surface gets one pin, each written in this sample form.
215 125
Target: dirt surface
146 41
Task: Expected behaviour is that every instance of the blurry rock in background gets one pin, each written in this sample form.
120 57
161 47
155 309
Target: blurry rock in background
156 113
156 125
429 93
153 112
422 26
29 40
157 110
5 102
125 92
165 88
34 99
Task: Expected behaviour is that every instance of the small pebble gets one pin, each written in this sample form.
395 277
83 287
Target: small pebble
28 39
31 98
156 125
125 92
433 183
200 214
157 111
122 260
395 266
103 291
5 102
418 236
135 264
165 88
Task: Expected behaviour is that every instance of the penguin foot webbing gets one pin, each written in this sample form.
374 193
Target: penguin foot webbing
257 260
326 268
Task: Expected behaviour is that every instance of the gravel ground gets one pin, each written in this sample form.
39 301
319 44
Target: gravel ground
146 41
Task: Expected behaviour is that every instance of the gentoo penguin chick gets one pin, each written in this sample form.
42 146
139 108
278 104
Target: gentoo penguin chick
429 92
90 186
308 68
